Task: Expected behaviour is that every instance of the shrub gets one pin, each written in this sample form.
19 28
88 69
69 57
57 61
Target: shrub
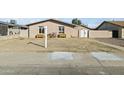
61 35
39 36
52 35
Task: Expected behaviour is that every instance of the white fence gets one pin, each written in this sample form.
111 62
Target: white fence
8 37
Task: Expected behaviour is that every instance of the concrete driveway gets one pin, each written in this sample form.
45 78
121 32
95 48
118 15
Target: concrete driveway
60 63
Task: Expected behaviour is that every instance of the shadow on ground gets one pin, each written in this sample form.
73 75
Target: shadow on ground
35 44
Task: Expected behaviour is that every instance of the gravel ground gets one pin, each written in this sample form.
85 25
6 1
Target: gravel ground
114 41
67 45
29 57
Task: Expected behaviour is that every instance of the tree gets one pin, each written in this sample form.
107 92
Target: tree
76 21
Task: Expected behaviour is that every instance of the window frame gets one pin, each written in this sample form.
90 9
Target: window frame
61 29
41 30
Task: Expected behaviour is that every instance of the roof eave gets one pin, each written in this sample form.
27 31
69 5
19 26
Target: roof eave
109 23
72 25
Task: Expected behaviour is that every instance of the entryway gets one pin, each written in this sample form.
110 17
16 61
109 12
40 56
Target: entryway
83 33
115 33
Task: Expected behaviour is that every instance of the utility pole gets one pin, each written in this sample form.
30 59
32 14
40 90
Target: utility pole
45 29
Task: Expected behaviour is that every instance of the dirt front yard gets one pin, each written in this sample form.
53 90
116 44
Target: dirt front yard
114 41
62 57
67 45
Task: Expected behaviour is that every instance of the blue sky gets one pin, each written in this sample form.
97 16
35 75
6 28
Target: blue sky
90 22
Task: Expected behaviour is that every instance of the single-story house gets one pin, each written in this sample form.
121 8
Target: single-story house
57 26
9 29
71 30
116 27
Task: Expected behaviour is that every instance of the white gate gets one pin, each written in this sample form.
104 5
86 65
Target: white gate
83 33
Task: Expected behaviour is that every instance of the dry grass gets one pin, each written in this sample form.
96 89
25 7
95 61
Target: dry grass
58 44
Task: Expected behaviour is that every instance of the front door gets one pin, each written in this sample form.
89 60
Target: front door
83 33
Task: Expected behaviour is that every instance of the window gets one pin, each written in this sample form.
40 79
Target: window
61 29
41 29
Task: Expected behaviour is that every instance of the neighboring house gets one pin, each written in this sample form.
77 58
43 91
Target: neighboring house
116 27
56 26
8 29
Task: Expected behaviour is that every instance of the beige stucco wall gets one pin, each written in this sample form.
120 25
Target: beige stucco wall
78 29
18 32
122 33
24 33
100 34
52 27
15 31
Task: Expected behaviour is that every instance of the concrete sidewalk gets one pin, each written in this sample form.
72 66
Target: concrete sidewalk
56 63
